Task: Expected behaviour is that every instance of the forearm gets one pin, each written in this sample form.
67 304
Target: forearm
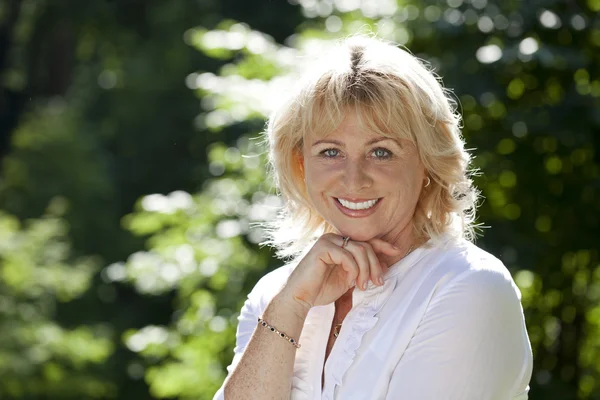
266 368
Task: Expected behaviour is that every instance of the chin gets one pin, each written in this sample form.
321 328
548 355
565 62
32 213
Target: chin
359 234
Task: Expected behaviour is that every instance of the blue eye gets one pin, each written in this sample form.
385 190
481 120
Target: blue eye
330 153
382 153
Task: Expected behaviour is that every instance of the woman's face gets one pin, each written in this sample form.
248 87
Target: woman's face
366 186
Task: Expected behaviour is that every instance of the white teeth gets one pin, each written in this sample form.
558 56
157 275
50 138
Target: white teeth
358 206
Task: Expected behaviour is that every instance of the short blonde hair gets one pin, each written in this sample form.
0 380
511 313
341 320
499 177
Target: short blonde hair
393 94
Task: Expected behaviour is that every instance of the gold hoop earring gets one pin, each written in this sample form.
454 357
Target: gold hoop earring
428 182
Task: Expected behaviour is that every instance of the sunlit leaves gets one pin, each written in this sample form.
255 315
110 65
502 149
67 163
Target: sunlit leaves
203 247
36 260
524 89
231 37
528 46
489 54
37 271
508 179
553 165
369 9
594 5
506 146
515 88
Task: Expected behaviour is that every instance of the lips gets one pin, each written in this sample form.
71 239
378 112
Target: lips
344 206
358 205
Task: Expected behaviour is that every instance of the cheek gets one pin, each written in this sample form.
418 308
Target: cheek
392 176
313 181
318 175
401 182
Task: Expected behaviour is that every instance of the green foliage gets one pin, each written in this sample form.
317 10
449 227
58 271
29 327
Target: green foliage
527 102
204 248
105 96
49 144
37 271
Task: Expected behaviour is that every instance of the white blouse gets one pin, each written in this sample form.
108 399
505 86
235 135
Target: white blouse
447 324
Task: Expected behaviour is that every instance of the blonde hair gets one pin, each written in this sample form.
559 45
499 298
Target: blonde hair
393 94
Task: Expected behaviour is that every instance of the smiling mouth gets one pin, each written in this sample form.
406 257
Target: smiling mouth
363 205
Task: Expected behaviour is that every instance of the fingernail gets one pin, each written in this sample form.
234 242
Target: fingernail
364 286
353 283
381 281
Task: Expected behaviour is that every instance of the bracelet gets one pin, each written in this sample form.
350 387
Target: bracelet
280 334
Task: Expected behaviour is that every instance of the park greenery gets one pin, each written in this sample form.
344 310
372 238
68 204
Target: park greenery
133 186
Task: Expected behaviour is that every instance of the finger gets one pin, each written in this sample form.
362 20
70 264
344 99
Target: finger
351 266
335 255
360 253
381 246
377 271
375 268
338 240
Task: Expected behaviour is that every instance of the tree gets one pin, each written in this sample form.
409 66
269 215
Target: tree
39 356
99 110
95 111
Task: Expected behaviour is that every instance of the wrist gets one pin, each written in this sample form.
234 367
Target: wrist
297 306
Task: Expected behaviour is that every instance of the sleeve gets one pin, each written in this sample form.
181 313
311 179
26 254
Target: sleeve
471 344
253 307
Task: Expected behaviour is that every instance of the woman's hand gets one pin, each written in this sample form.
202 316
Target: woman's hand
328 270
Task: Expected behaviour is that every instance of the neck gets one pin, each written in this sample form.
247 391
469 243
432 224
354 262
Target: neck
344 304
405 240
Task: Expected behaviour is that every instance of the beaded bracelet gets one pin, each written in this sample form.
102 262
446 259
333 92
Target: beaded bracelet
280 334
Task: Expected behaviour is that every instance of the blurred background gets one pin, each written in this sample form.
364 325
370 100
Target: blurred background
132 177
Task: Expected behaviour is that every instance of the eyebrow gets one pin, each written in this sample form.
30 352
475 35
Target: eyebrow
341 144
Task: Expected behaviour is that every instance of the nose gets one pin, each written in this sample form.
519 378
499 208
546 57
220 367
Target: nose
356 176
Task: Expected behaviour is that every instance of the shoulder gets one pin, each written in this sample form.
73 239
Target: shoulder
461 264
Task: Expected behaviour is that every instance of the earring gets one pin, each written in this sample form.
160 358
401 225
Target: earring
428 182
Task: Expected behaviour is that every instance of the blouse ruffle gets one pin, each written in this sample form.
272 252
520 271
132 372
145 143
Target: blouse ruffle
361 319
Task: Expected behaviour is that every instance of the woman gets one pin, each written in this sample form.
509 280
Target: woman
386 297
